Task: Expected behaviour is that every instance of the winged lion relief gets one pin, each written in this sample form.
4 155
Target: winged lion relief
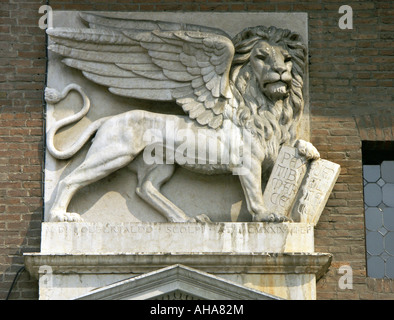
242 99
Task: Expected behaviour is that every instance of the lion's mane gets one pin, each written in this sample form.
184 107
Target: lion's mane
275 123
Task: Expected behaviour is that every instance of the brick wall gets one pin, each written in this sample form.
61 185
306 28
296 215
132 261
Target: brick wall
22 77
351 75
351 79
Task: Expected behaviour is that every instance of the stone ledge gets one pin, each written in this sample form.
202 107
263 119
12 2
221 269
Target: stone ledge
216 263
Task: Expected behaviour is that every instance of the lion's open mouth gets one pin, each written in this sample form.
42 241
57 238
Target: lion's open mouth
278 88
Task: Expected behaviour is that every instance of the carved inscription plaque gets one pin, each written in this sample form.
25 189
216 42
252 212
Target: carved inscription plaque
315 190
88 237
285 180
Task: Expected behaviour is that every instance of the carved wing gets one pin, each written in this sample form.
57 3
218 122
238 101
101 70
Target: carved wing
153 60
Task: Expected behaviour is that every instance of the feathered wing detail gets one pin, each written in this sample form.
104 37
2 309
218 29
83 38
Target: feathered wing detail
165 61
96 21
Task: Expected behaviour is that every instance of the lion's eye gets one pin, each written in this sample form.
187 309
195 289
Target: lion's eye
261 56
287 59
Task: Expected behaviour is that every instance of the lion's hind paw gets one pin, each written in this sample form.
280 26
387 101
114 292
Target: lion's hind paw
272 217
65 217
278 218
203 218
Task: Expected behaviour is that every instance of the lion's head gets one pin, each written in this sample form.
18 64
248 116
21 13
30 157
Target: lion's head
267 74
272 66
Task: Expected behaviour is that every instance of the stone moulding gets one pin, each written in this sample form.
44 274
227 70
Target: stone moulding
273 258
284 275
278 263
185 281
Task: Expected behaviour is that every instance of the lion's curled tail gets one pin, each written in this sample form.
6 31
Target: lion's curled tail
53 96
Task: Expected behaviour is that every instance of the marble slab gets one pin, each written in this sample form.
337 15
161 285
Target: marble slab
88 237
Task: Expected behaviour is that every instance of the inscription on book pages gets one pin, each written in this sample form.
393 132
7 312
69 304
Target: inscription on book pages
299 188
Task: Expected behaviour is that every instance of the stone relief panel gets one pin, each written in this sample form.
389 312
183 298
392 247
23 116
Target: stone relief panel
155 117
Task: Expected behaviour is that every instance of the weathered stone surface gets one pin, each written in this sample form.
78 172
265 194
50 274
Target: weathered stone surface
201 72
285 180
176 282
299 188
85 237
315 191
286 275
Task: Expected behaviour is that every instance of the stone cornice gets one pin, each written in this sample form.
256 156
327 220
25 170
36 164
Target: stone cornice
138 263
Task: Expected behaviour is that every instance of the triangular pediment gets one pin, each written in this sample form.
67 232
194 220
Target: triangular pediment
176 282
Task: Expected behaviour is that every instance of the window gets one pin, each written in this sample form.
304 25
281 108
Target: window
378 174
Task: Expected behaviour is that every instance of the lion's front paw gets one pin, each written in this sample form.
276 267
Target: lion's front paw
203 218
270 217
65 217
307 150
